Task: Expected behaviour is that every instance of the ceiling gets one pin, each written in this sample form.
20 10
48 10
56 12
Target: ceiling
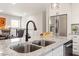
20 9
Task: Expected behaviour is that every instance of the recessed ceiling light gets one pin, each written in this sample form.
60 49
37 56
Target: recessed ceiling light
1 10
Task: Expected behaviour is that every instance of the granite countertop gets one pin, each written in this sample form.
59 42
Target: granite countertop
6 51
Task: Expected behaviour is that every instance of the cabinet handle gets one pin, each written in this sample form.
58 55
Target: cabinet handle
75 42
75 36
75 48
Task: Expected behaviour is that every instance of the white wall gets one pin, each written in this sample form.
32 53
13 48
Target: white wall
65 8
37 18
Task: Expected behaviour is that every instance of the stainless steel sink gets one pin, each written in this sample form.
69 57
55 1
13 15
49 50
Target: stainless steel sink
25 48
43 42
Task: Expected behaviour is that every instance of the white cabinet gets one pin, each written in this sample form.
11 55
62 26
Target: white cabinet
49 53
76 44
56 52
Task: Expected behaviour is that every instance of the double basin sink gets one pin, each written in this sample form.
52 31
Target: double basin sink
35 45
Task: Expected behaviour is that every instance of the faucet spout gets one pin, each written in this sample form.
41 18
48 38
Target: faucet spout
27 34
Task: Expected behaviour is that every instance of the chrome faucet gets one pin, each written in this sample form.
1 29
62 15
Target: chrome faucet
27 34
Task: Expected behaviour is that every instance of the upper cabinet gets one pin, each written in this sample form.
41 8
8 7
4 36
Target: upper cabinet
75 13
61 9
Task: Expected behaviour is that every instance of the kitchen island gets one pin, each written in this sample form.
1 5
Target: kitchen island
6 51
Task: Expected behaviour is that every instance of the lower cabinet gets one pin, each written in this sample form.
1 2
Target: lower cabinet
76 44
49 53
56 52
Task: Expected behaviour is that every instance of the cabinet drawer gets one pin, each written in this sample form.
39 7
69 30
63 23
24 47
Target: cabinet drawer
75 48
76 40
75 36
74 52
75 43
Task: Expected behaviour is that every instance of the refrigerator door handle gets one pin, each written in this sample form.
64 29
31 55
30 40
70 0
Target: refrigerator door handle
58 24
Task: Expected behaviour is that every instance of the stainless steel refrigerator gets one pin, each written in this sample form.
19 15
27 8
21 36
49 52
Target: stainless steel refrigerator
58 25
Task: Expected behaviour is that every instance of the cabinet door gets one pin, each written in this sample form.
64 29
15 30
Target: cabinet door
62 25
52 24
58 24
58 51
49 53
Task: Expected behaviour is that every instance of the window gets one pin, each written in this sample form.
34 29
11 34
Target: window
15 23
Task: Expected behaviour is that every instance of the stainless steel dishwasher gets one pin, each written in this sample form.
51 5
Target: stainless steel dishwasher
68 48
